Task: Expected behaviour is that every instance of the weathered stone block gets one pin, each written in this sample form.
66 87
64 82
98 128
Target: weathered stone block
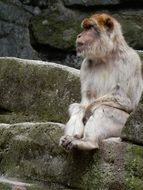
30 151
133 130
51 31
90 2
36 90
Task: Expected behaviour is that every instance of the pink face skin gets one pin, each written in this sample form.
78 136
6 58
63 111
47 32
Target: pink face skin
85 39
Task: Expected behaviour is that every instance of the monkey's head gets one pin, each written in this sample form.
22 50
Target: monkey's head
100 36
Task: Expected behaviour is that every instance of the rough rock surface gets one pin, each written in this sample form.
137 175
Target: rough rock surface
90 2
46 29
30 156
52 31
14 33
133 131
36 90
30 151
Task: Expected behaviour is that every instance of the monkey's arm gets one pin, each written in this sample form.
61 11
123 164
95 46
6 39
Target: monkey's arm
74 126
117 98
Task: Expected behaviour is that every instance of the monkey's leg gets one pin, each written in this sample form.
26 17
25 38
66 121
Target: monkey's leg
104 123
74 127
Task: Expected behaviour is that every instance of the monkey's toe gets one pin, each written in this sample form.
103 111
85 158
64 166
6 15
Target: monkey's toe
73 145
65 142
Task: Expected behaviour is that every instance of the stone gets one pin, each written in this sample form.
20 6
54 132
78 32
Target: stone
64 39
131 22
133 3
141 55
95 3
60 29
30 151
87 3
14 32
133 130
36 91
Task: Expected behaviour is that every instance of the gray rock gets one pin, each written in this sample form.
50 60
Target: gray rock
14 32
141 55
14 14
132 22
60 29
132 3
90 2
30 151
36 90
62 36
15 41
133 130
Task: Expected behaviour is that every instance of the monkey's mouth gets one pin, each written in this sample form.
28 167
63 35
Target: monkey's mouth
80 48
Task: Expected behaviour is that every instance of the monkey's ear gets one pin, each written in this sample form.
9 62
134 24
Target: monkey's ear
109 24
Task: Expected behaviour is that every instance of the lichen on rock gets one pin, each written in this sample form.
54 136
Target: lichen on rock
36 91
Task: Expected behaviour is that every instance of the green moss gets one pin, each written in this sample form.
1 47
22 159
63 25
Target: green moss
133 130
59 31
36 92
134 168
4 187
132 27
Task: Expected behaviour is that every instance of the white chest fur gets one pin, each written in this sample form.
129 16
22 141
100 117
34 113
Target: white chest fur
98 80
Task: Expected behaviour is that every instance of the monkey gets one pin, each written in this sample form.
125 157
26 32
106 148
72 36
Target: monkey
111 84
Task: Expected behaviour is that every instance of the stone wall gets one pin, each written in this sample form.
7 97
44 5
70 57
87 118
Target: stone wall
46 29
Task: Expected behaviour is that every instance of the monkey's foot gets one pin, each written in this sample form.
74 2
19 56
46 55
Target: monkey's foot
82 145
65 141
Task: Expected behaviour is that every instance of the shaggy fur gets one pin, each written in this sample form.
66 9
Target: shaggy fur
111 84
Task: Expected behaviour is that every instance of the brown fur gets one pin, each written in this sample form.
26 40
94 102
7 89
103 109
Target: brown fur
101 20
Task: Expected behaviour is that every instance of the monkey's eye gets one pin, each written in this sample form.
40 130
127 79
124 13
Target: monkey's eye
91 26
88 27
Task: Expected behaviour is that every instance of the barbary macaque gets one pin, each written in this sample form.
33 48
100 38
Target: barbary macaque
111 84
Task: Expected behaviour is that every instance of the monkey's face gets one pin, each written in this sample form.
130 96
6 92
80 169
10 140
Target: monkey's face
86 39
96 39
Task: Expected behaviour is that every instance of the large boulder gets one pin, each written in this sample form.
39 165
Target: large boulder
95 3
54 24
14 32
36 90
52 32
141 55
58 30
132 22
87 3
30 151
133 130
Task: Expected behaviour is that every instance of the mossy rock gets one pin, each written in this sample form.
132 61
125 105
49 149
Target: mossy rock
30 151
88 3
36 90
132 22
58 30
95 3
133 130
141 55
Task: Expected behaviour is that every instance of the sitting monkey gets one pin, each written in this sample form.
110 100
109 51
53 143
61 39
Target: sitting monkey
111 84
